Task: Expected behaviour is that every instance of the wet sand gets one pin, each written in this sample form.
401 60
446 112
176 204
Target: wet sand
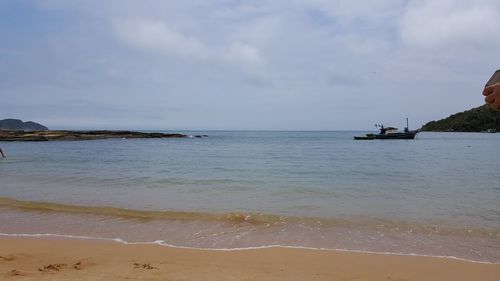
60 259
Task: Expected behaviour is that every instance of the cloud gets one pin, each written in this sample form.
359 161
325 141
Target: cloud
157 37
455 24
443 42
236 64
348 12
151 35
241 52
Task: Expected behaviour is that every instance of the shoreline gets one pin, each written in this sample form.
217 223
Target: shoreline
233 231
70 259
161 243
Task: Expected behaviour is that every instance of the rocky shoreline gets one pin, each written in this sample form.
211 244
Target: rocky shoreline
7 135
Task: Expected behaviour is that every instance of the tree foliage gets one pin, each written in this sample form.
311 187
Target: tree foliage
476 119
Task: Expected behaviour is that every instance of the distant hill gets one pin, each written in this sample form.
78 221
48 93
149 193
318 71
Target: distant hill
477 119
18 125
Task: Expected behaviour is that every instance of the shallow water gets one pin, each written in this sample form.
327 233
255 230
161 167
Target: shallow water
437 195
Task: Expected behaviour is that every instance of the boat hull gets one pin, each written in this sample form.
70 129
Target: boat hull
397 136
394 136
364 138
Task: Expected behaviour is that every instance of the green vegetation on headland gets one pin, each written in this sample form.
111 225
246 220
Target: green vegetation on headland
477 119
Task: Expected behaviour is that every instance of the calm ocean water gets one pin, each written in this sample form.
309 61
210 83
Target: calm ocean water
436 195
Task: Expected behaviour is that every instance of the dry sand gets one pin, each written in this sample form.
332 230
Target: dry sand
50 259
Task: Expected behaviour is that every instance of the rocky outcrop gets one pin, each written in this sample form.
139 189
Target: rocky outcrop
18 125
79 135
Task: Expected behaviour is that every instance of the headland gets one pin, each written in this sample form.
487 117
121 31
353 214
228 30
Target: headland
10 135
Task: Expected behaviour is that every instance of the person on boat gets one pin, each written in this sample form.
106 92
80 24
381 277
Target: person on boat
1 153
382 130
492 94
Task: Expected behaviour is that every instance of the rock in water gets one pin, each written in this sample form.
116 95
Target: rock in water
9 135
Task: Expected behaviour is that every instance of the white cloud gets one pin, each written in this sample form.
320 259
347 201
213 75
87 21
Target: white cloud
352 12
156 36
455 24
241 52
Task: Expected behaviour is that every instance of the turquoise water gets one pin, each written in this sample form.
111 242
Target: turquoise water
438 194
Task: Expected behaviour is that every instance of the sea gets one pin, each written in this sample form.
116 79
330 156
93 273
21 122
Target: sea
437 195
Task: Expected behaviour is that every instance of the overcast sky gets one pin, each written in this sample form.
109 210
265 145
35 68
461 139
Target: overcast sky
232 64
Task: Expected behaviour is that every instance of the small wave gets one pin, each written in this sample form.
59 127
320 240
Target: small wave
257 219
162 243
233 217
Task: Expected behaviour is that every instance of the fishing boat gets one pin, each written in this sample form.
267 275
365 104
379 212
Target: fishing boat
390 133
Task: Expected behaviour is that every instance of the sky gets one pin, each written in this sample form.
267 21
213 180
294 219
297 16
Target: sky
244 65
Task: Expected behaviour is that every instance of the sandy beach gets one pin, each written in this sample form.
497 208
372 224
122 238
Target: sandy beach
61 259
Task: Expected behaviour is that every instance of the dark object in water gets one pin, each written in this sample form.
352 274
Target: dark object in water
367 137
80 135
390 133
